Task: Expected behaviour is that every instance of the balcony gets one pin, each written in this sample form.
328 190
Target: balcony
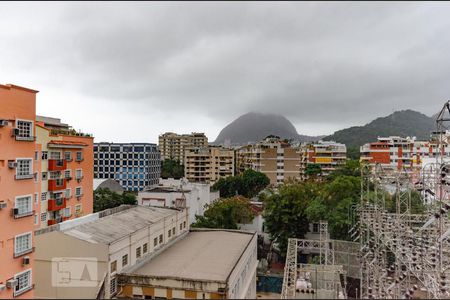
57 164
56 184
56 204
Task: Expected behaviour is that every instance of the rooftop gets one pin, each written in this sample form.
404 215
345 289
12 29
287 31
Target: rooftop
118 225
192 257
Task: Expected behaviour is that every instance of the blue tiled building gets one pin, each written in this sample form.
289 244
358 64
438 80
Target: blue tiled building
133 165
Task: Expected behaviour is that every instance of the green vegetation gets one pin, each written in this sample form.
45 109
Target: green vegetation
104 199
172 169
225 213
402 123
248 184
289 210
313 170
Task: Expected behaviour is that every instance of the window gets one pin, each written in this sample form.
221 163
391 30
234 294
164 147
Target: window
24 168
78 209
22 244
55 155
67 173
36 155
124 260
67 193
315 228
23 282
44 155
184 224
36 219
138 252
160 238
44 175
173 231
155 242
145 248
66 212
78 191
169 232
43 217
68 155
113 286
43 196
114 266
79 174
79 156
24 204
181 226
25 128
36 198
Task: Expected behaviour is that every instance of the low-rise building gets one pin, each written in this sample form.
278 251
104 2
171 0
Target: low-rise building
80 258
173 145
179 193
204 264
134 165
208 164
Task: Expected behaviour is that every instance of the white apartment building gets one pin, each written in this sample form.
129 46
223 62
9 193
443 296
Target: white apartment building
103 244
179 193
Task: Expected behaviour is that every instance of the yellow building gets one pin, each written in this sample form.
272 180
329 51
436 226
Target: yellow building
208 164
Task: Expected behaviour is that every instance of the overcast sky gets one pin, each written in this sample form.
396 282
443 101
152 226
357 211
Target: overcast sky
131 71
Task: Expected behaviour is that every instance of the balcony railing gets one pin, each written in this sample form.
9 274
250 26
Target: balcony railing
56 184
56 204
71 132
57 164
17 215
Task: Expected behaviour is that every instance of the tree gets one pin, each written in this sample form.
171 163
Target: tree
313 170
353 153
225 213
172 169
350 168
285 211
247 184
105 198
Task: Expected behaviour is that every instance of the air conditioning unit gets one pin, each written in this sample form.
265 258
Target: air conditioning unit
2 287
12 164
15 211
15 132
26 260
3 123
3 205
11 283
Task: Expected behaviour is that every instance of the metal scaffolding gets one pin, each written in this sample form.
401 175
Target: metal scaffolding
402 253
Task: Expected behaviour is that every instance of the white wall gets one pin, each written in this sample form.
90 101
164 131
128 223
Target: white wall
197 198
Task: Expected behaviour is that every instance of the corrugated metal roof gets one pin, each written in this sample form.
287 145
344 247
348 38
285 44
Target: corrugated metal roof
206 255
116 226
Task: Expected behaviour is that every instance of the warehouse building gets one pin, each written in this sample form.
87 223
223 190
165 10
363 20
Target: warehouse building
204 264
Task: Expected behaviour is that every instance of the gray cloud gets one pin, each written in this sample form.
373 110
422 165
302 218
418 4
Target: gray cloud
196 66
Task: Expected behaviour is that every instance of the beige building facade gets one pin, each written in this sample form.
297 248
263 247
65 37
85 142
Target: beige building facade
204 264
173 145
274 157
208 164
81 258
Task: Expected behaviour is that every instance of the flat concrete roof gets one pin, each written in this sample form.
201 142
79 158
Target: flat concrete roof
118 225
204 255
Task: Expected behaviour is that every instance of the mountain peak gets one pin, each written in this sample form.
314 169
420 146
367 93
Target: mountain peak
255 126
401 123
